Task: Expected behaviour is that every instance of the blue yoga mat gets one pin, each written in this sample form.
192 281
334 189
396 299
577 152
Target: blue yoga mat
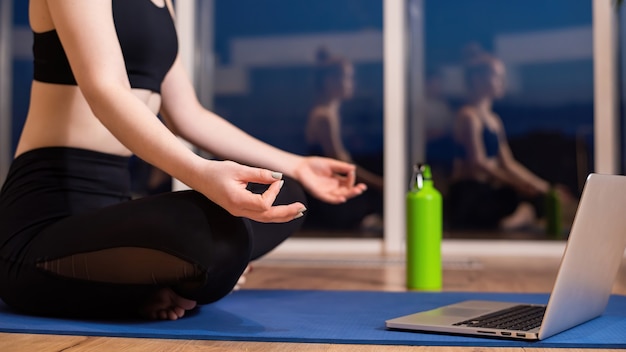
341 317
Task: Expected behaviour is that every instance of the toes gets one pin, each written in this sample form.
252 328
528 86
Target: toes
171 315
184 303
180 312
167 305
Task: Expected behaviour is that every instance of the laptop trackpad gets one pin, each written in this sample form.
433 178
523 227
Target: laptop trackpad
462 312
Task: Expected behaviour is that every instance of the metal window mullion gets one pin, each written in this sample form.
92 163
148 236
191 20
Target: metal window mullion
395 42
6 79
605 76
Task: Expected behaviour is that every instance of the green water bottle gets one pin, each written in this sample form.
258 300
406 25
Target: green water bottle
424 226
553 214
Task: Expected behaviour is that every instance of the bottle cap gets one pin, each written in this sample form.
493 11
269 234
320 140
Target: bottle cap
421 173
426 171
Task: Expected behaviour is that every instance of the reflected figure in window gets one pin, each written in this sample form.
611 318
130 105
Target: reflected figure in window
490 188
334 83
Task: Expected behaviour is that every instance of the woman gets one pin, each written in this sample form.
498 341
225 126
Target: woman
72 243
490 188
334 83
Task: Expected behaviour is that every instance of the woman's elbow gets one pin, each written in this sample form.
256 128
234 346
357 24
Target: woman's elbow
171 125
482 165
103 93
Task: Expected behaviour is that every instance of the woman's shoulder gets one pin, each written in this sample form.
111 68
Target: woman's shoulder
467 111
320 116
468 115
39 16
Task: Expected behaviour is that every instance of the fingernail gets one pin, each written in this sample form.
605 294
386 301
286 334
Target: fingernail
299 215
277 175
281 184
303 209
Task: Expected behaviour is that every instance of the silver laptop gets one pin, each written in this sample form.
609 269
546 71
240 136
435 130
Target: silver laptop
583 285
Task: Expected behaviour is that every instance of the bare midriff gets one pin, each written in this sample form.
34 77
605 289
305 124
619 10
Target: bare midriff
60 116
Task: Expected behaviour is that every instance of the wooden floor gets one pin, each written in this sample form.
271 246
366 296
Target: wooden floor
334 273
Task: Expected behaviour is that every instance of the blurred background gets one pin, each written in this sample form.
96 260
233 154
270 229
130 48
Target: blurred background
308 77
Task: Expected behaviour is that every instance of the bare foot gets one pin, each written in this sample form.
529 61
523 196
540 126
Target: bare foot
242 278
165 304
523 216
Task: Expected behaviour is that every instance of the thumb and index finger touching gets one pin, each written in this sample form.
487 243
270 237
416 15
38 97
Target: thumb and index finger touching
262 208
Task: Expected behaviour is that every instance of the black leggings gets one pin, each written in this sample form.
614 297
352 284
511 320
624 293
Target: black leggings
72 243
477 205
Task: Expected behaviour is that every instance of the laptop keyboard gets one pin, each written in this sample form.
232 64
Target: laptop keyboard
520 318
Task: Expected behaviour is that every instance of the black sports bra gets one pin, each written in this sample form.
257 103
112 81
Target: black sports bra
146 34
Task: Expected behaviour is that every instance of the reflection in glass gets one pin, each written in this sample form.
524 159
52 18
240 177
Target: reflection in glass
334 84
517 76
490 189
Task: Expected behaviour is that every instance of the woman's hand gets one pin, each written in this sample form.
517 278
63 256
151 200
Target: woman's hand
228 185
535 188
330 180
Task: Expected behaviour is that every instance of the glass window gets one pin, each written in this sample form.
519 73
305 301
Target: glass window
504 102
307 77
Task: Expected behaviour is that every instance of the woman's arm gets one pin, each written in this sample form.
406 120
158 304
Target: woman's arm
470 132
534 184
330 180
328 135
88 35
186 117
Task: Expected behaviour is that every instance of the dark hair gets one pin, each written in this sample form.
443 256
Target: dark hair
477 62
327 66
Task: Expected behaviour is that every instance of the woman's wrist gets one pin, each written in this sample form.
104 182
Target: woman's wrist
292 164
544 186
199 172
